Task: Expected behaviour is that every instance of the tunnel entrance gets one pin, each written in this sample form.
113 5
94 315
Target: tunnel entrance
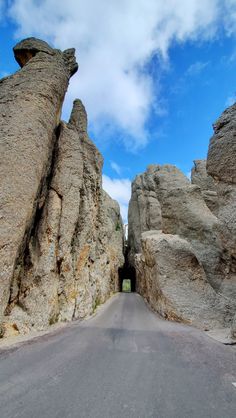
127 276
127 273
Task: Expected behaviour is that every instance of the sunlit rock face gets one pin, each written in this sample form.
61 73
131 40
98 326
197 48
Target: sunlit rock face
61 234
221 166
177 207
173 281
184 250
206 183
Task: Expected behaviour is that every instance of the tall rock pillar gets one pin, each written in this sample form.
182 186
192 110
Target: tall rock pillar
30 108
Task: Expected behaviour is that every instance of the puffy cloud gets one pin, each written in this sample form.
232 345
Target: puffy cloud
115 40
229 15
120 190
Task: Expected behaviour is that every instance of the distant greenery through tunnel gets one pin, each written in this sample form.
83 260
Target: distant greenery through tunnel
126 285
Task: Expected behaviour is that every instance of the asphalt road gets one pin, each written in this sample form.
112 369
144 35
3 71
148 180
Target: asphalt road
124 362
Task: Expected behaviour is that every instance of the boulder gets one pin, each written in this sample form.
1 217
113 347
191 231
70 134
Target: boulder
179 210
173 281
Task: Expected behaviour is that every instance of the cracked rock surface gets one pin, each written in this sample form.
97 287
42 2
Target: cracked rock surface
221 166
61 235
176 247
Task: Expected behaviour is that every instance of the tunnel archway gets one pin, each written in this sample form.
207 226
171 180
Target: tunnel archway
127 272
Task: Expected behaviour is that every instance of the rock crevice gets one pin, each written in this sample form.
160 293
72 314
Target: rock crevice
60 250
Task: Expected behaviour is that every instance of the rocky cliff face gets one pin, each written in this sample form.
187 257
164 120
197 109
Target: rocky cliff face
181 266
61 234
206 183
221 166
173 281
177 208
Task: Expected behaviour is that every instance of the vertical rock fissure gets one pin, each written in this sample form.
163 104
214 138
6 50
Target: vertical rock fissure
60 247
23 261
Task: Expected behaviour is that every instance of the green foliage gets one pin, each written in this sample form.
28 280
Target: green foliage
126 285
118 226
96 303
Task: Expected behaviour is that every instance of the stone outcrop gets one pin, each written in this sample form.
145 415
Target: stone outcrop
61 234
177 208
173 281
144 210
181 266
206 183
221 166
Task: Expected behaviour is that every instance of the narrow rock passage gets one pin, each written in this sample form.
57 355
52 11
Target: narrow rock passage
124 362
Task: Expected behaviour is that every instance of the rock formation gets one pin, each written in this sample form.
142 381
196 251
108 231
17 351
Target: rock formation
182 262
173 281
177 207
61 249
206 183
144 210
61 234
221 166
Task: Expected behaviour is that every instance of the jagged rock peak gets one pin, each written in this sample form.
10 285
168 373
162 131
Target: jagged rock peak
78 117
29 47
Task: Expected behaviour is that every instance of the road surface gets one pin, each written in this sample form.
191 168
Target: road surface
124 362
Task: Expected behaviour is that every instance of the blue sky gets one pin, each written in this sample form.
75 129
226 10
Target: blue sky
153 75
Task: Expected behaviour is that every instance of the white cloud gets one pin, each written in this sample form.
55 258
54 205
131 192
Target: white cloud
229 15
116 168
196 68
120 190
2 6
114 41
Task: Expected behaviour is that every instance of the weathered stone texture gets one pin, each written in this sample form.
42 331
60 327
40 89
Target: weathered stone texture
206 183
144 210
222 148
74 253
62 236
221 166
30 107
179 209
173 281
181 265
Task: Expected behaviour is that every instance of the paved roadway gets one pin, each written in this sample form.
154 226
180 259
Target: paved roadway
124 362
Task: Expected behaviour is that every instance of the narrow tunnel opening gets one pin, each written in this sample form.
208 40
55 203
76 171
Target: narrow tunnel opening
127 276
127 273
